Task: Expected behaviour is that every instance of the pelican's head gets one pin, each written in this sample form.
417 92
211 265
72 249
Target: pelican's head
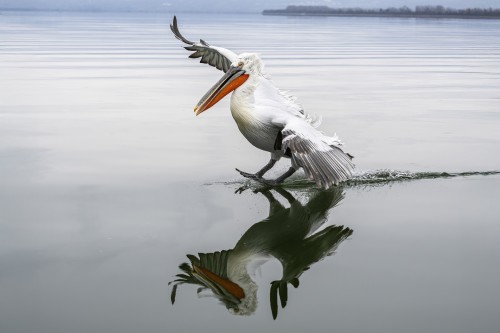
246 66
222 274
251 63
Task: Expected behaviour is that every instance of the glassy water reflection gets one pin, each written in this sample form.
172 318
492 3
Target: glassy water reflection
289 234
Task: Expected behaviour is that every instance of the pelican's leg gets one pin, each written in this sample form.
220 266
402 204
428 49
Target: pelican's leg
261 172
281 178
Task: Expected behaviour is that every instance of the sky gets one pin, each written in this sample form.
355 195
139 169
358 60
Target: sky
234 6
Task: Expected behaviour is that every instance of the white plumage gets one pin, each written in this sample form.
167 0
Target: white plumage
270 119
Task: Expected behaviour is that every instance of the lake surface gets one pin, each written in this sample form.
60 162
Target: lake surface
108 180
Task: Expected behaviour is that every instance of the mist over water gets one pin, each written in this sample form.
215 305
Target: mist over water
104 171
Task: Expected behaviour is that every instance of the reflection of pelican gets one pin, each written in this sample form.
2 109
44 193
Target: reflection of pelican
270 119
288 234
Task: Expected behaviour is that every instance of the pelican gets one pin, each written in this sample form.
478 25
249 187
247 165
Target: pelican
268 118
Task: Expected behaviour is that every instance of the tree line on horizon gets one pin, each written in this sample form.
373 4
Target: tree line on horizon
405 10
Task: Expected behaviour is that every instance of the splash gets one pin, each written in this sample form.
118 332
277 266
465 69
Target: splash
384 176
372 178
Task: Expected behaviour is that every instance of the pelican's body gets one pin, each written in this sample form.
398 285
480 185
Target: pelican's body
253 123
254 113
269 119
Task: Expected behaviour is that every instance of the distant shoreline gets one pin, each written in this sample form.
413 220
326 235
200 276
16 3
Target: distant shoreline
276 13
403 12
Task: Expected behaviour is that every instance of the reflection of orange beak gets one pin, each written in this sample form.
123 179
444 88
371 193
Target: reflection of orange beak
228 285
233 78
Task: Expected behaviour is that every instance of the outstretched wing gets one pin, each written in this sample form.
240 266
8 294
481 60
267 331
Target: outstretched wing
322 162
217 57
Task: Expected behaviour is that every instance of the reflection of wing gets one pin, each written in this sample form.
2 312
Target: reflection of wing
217 57
298 257
320 205
317 154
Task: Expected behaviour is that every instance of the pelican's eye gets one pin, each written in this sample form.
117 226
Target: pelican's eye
240 64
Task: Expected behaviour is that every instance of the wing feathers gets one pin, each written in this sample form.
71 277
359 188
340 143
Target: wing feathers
177 34
326 165
217 57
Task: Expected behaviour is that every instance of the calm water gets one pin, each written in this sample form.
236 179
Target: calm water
108 181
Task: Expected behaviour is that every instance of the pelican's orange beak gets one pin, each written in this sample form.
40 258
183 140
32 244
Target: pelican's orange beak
233 78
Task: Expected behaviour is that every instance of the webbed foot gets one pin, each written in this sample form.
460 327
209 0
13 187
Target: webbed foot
241 189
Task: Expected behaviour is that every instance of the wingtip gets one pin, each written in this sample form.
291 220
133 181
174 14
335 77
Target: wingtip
175 29
173 24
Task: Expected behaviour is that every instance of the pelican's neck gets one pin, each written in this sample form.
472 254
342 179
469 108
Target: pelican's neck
243 100
246 91
243 96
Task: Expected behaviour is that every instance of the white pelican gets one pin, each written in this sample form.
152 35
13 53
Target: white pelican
270 119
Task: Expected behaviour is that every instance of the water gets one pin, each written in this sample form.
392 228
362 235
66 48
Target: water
108 180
